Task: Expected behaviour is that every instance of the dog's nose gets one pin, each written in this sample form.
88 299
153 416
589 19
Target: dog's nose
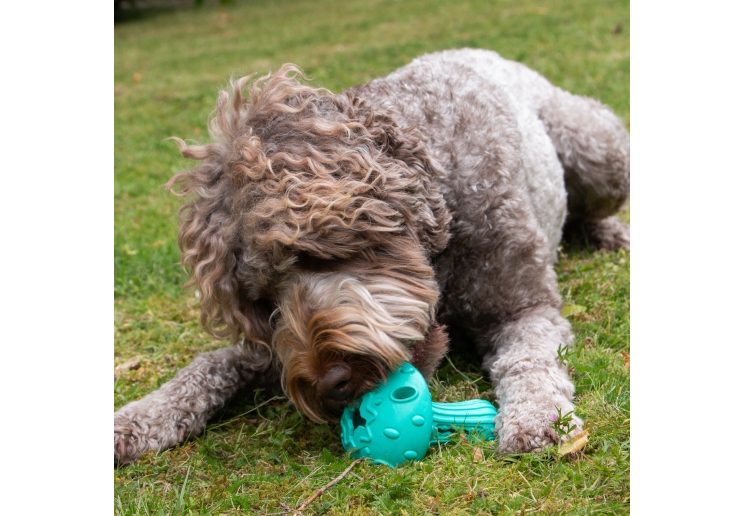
336 384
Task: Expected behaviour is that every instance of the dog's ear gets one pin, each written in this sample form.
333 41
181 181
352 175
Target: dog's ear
228 286
412 192
228 280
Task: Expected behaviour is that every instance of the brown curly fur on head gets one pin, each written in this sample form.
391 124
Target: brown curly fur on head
297 184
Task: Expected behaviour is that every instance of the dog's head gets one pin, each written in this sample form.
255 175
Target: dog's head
311 231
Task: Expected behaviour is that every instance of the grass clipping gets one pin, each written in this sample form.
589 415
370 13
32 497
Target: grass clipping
574 444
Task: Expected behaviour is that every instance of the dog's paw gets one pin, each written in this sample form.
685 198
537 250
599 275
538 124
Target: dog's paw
129 440
140 427
128 446
526 427
135 434
610 234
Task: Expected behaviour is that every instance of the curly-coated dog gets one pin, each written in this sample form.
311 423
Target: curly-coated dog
332 237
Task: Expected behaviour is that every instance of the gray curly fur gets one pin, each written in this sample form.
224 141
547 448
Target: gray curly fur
333 236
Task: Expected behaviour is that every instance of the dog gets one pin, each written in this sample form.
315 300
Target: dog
332 237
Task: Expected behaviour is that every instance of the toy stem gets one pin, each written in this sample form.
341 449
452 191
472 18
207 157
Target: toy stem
473 417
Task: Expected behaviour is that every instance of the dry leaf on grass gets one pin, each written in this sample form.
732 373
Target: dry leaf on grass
477 455
574 444
126 366
626 356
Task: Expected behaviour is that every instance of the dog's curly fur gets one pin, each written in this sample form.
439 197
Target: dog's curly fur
331 237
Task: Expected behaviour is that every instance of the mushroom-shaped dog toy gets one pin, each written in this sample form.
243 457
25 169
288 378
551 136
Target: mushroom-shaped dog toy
397 422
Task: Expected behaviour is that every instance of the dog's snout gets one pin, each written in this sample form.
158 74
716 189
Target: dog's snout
336 383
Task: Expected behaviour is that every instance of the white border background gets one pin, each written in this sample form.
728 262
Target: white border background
56 257
688 208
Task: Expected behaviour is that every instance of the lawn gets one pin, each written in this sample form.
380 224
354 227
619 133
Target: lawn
260 456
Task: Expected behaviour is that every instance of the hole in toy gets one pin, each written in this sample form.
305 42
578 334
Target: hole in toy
357 419
404 393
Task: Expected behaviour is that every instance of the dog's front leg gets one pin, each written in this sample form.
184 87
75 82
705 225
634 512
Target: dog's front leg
181 407
531 383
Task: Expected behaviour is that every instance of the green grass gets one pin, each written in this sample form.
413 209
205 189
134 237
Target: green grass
258 457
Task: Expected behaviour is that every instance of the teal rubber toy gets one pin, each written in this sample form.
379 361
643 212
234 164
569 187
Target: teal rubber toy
398 422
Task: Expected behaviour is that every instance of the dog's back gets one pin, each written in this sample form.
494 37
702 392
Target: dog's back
474 106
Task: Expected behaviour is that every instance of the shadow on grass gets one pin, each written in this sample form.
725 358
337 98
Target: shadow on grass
134 14
135 10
